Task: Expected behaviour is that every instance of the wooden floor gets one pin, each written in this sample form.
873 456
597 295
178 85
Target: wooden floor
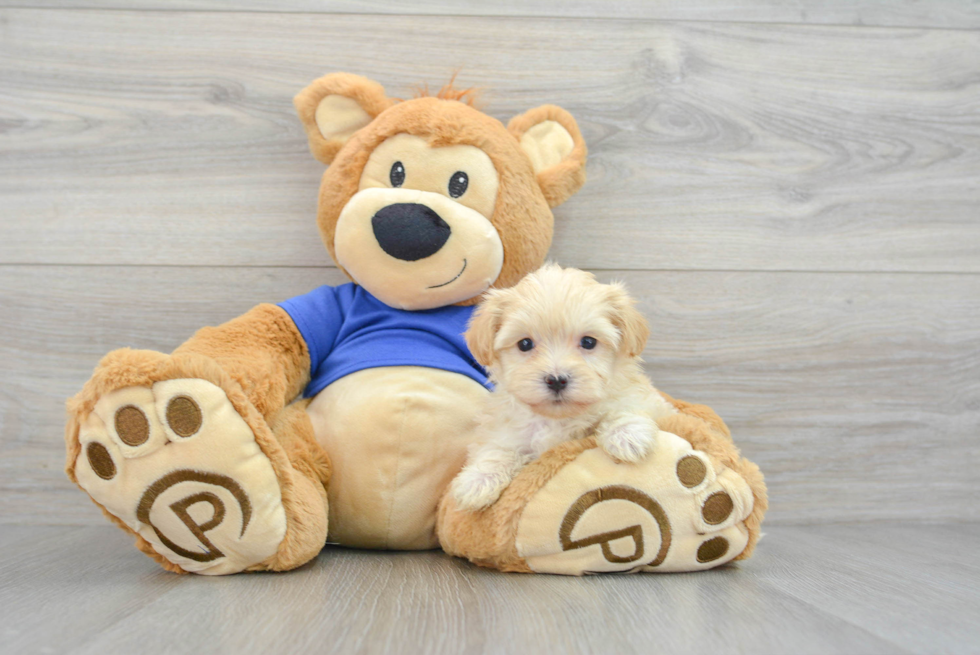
791 189
882 588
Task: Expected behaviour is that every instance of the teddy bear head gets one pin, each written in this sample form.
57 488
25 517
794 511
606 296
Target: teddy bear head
430 202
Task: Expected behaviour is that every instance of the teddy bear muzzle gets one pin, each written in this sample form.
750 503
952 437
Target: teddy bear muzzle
417 250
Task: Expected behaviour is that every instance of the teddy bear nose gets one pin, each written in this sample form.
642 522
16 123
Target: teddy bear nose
409 231
556 384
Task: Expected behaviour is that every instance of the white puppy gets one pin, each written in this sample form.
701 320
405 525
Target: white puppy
563 352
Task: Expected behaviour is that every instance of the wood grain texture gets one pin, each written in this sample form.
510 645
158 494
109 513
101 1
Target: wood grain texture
826 589
858 394
950 14
59 586
866 575
169 138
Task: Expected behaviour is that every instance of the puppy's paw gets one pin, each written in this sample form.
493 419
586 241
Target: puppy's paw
475 489
629 439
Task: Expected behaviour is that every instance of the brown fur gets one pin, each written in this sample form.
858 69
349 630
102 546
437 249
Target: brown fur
705 430
369 95
488 538
304 501
449 91
703 412
721 450
262 363
307 521
560 182
522 214
263 351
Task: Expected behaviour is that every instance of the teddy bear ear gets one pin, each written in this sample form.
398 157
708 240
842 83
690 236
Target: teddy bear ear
551 139
335 106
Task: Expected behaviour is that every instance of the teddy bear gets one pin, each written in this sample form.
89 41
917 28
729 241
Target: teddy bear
342 416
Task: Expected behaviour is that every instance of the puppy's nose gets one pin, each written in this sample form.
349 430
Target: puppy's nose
556 384
409 231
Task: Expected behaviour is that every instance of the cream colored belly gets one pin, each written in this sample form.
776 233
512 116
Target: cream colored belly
396 437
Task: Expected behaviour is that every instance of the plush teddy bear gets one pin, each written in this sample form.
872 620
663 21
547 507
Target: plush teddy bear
225 455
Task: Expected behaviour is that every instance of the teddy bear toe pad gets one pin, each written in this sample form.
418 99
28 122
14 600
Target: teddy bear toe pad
674 511
180 467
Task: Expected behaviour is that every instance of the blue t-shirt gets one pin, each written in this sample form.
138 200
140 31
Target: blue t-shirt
347 330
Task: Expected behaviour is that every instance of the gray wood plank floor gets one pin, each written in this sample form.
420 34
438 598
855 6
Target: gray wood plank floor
874 588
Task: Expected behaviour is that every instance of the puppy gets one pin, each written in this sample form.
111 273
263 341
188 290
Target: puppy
563 353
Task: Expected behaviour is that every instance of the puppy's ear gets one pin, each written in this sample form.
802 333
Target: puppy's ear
551 139
633 327
483 327
335 106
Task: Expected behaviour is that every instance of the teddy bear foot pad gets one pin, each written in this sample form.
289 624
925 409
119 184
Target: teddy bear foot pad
178 465
674 511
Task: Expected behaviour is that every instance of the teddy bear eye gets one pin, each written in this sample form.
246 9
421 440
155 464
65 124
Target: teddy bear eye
589 343
458 183
525 345
397 174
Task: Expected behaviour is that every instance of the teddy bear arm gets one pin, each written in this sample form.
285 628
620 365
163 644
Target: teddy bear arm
262 350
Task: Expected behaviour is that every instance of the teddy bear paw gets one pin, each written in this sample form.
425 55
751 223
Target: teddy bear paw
179 466
672 511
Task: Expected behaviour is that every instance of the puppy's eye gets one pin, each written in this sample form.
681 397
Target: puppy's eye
525 345
397 174
458 184
589 343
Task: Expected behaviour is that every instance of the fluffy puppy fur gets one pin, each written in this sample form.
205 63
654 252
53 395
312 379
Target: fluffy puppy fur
563 353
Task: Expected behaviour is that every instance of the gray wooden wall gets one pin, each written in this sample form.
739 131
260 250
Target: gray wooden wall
792 189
